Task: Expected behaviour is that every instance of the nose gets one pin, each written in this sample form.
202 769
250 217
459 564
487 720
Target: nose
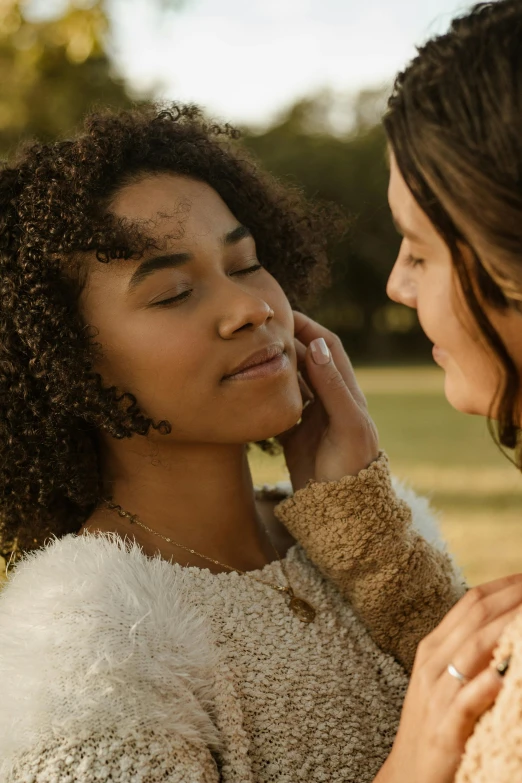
243 312
401 286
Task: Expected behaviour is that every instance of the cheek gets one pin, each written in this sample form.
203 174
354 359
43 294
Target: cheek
471 374
153 360
174 374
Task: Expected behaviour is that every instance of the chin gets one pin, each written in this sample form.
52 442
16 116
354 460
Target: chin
463 398
274 421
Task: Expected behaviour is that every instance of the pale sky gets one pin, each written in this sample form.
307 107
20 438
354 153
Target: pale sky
245 60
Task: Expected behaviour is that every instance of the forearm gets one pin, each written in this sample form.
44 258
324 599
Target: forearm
360 533
389 773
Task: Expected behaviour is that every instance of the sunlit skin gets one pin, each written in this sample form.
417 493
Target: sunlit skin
423 277
220 307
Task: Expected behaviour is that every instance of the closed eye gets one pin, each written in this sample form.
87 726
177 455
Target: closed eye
413 261
249 270
172 300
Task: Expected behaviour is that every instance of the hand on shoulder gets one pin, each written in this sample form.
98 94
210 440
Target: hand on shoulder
454 681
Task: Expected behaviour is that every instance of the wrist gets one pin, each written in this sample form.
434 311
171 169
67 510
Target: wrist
392 771
337 472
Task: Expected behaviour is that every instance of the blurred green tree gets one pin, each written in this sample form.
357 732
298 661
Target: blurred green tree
55 68
337 152
57 65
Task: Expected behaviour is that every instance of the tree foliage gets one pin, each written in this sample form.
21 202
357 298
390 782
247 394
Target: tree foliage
53 70
350 169
57 67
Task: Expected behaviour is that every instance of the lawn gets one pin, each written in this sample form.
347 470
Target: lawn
451 458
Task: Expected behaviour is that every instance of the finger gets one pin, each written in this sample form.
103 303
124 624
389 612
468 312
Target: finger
300 350
470 703
302 375
307 330
329 385
476 652
460 612
306 392
469 648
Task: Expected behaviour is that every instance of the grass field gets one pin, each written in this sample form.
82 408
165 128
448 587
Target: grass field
449 457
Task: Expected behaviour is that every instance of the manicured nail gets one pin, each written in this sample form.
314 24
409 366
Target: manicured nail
503 666
320 351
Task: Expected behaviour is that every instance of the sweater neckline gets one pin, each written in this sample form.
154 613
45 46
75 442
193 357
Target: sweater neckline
258 573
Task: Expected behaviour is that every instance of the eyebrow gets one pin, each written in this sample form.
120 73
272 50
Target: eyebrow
173 260
405 232
236 235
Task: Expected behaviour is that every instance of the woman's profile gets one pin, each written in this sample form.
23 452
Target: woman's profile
454 126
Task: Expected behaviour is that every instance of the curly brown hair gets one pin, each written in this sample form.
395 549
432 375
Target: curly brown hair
54 207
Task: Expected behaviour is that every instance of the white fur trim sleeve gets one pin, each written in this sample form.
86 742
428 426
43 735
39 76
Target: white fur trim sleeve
94 636
425 520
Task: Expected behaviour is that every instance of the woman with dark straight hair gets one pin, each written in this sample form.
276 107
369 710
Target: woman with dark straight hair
454 126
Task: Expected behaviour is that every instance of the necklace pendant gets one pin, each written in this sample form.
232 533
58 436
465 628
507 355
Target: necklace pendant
302 609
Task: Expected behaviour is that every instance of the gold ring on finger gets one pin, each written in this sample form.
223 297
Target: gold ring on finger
454 672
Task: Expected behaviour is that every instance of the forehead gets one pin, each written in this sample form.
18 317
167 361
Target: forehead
404 207
159 199
399 195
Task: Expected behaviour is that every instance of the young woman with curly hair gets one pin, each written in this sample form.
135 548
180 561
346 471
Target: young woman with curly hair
166 625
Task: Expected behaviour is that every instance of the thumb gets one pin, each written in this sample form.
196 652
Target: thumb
328 383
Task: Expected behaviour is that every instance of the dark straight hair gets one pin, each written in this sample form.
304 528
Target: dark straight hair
454 126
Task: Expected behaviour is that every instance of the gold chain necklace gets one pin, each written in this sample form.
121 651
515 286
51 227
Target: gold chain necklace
301 608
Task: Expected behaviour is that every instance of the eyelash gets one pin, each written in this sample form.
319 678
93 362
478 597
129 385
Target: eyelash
185 295
413 261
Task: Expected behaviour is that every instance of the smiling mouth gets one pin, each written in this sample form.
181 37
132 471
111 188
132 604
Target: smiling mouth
265 364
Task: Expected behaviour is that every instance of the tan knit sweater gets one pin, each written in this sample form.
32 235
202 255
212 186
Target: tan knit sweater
115 666
359 532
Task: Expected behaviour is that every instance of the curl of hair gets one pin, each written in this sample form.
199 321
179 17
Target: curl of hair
53 208
454 124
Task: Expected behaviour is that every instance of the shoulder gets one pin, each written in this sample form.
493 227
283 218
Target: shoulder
94 633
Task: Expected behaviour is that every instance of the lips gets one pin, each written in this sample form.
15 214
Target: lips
259 357
438 354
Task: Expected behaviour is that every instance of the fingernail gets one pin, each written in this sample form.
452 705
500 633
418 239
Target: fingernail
503 666
320 351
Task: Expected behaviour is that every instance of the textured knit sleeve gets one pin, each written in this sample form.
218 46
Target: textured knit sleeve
360 534
143 759
493 753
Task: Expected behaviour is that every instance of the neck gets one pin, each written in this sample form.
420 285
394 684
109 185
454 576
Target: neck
200 496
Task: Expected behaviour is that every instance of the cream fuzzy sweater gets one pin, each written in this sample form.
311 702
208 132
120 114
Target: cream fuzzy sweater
119 667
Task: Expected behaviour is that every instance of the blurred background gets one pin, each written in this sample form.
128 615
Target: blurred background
306 81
